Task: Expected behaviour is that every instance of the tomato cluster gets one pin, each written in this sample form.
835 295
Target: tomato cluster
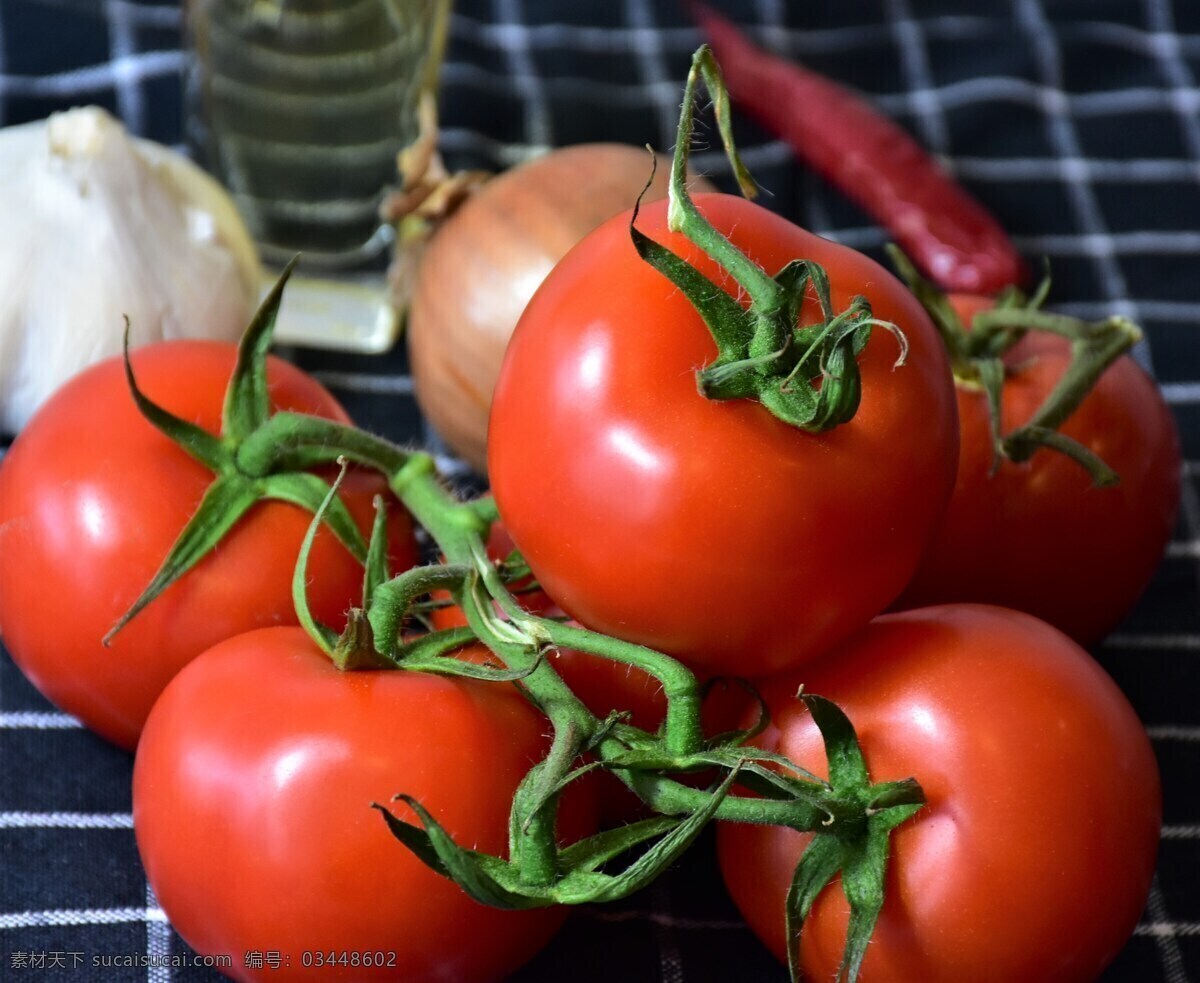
674 528
746 547
252 800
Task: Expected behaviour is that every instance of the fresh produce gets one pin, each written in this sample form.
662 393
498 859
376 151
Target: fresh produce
1025 528
251 801
949 235
433 693
1033 857
1066 496
379 644
739 540
482 266
382 637
99 226
92 497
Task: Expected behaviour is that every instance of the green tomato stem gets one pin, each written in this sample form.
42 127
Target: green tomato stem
294 441
682 730
976 353
682 214
806 376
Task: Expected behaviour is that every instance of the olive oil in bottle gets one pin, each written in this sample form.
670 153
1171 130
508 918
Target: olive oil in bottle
299 107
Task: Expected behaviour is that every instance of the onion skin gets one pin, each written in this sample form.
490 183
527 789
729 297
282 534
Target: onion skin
484 264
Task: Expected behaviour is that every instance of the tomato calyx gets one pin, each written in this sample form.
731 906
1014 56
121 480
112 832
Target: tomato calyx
977 353
576 877
856 846
805 375
235 489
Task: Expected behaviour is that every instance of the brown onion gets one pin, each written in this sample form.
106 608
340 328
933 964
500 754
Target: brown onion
483 265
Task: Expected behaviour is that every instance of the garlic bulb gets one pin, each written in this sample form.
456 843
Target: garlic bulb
99 226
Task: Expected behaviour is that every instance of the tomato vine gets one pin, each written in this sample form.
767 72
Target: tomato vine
848 808
762 354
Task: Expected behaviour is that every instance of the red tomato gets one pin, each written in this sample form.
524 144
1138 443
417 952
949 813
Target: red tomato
91 499
252 793
1038 536
1033 857
710 529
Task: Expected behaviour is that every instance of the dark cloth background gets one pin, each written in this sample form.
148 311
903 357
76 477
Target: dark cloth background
1076 122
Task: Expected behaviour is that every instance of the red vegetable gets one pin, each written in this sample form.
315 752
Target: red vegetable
709 528
1038 535
252 796
872 160
1069 465
91 498
1032 859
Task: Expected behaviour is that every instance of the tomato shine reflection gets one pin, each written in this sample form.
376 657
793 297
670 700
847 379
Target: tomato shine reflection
93 514
923 719
288 767
633 448
594 366
306 756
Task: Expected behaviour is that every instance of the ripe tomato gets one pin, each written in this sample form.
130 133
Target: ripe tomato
1033 857
91 499
252 793
1038 536
710 529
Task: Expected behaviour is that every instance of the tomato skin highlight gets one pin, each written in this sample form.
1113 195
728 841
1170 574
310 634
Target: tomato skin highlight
252 796
710 529
1038 536
1043 814
91 499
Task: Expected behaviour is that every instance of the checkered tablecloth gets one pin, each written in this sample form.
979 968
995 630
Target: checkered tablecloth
1076 121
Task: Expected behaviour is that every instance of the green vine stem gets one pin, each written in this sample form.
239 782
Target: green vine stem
682 214
806 375
848 808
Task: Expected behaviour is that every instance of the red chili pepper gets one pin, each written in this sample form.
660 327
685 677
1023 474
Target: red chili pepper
946 232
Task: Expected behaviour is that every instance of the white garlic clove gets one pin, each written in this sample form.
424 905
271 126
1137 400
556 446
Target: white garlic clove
99 226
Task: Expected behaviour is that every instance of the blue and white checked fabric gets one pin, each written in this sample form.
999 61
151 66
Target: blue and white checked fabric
1077 123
